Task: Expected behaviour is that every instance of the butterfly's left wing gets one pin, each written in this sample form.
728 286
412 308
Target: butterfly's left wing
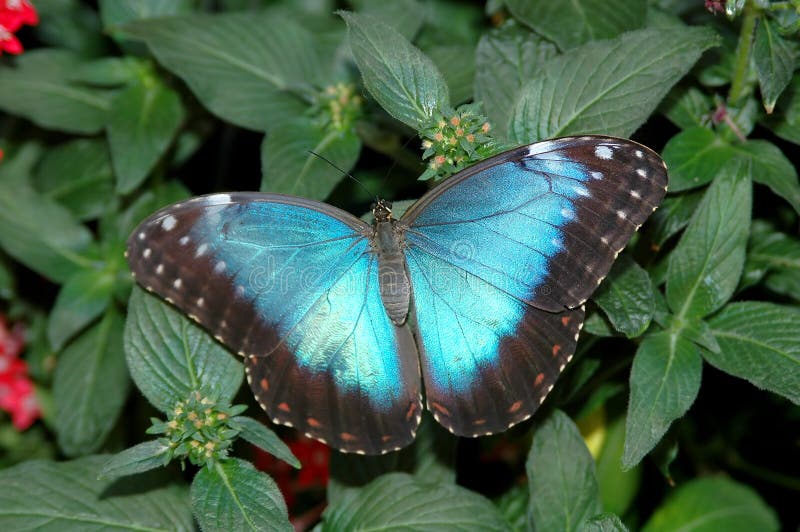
292 286
502 257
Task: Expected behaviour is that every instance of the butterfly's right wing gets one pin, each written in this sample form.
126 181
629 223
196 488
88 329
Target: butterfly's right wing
292 286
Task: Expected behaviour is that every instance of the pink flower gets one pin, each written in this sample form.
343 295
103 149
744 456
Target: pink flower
17 395
715 6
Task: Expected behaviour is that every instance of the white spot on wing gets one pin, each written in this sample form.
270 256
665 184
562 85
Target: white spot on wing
201 250
169 223
219 267
141 235
160 269
642 172
635 194
622 215
581 191
146 253
184 240
177 284
217 199
597 175
541 147
603 152
639 154
568 214
200 301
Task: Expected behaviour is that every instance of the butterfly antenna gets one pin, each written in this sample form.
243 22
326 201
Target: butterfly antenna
348 174
395 162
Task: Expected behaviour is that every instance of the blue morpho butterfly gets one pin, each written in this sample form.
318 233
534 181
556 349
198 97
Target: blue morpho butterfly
477 292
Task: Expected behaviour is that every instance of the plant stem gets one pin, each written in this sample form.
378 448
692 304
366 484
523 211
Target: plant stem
739 85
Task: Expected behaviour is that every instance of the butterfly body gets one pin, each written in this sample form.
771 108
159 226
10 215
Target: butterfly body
476 291
388 245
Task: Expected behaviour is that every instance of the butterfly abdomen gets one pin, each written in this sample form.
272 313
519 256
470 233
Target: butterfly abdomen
393 280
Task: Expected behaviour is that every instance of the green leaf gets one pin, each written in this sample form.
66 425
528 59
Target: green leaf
775 257
773 169
672 216
561 477
144 119
146 204
233 495
431 458
405 16
137 459
77 174
39 89
70 24
687 106
116 13
90 386
169 356
759 342
696 155
513 505
263 438
7 282
456 62
37 231
705 267
66 496
107 72
246 68
403 80
604 523
80 301
665 379
597 323
697 331
288 167
506 58
626 297
786 121
349 473
401 501
713 503
570 24
602 87
618 488
774 58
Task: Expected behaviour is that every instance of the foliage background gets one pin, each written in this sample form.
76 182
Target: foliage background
680 408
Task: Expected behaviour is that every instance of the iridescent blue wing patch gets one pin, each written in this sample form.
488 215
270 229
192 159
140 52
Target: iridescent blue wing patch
502 257
291 285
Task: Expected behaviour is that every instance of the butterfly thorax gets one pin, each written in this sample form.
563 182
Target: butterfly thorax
395 287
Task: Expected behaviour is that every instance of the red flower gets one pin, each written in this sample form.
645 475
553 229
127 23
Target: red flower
9 43
17 395
13 15
17 13
314 458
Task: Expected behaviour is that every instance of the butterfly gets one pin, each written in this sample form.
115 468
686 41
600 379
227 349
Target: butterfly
475 294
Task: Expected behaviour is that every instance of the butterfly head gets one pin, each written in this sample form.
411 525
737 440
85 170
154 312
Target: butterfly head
382 210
